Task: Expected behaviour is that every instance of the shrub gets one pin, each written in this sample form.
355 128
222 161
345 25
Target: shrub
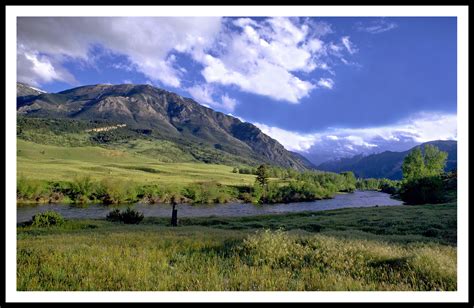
208 192
47 219
129 216
32 189
423 190
114 192
114 215
81 189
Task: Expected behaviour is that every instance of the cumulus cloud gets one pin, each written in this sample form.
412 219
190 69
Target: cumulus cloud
146 41
261 58
376 26
204 94
35 69
292 141
343 142
269 56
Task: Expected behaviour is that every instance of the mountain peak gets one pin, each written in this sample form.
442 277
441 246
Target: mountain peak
24 89
169 115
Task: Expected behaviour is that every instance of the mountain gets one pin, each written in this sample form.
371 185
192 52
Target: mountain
163 115
26 92
23 89
387 164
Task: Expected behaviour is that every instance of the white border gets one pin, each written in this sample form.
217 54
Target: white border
461 295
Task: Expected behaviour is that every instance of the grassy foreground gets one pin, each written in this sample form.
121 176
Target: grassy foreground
386 248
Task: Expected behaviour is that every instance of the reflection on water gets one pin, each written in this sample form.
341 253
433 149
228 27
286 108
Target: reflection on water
92 211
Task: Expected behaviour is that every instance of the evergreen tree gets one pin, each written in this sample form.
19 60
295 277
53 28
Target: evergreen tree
262 175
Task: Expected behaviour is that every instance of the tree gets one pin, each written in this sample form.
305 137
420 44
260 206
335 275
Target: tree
262 175
422 176
413 166
435 160
416 165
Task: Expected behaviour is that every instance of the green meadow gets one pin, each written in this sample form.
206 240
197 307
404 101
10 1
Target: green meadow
385 248
402 248
61 163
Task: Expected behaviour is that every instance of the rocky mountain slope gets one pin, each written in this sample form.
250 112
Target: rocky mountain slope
165 115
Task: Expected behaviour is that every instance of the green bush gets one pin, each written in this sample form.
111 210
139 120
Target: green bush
47 219
32 190
209 192
81 189
114 215
129 216
114 192
423 190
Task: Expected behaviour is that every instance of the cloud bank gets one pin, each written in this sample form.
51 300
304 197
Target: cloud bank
267 56
344 142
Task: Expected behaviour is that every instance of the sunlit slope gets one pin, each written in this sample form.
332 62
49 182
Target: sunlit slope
48 162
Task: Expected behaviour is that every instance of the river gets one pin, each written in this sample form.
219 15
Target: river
94 211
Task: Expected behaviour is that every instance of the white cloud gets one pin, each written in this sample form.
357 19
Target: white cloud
204 94
146 41
348 44
123 66
257 56
321 28
359 141
228 103
263 57
235 116
326 83
292 141
35 69
418 128
376 26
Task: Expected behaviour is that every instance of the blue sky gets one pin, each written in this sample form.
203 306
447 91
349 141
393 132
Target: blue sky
325 87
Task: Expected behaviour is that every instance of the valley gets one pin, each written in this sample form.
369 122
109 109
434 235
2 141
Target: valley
251 215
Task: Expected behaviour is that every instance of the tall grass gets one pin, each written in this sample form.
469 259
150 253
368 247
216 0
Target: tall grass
157 258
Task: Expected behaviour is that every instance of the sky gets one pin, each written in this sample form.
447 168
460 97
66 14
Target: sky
324 87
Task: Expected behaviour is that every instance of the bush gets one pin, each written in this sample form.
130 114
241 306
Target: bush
423 190
209 192
32 190
114 215
129 216
81 189
114 192
47 219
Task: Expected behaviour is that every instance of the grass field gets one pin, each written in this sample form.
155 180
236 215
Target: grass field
56 163
385 248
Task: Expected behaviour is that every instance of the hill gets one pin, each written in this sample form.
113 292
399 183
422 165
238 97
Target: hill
386 164
147 111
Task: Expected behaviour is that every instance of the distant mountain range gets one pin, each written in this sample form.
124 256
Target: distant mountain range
163 115
386 164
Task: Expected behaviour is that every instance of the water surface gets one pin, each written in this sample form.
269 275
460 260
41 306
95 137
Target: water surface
93 211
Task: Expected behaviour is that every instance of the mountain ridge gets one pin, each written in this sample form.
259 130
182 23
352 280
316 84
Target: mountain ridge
169 115
386 164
